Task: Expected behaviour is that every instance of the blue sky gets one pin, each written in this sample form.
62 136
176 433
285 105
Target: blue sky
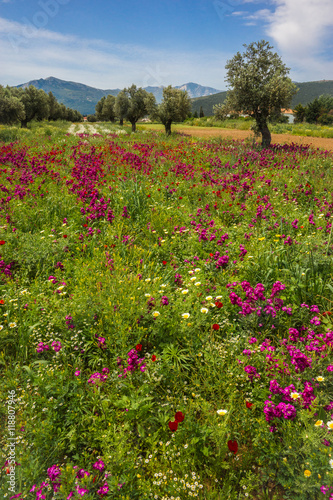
112 44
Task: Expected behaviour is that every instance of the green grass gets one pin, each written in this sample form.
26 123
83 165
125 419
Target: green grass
206 262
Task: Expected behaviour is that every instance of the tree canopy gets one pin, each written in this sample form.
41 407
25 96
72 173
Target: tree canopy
175 107
19 105
105 108
259 85
133 103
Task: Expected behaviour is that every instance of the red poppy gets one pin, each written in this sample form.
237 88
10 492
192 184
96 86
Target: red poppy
219 304
173 426
233 446
2 301
138 347
65 236
148 195
248 404
326 313
2 242
85 225
211 254
164 262
179 416
216 326
153 358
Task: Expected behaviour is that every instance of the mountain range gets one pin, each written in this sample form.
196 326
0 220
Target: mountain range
84 98
307 92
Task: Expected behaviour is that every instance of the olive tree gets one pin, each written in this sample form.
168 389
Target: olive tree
259 85
121 106
175 107
11 108
36 104
105 108
133 103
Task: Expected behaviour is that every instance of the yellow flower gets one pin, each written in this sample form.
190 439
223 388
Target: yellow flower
185 315
307 473
319 423
155 314
261 239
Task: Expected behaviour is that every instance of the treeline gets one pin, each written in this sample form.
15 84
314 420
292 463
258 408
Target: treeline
134 103
18 105
320 111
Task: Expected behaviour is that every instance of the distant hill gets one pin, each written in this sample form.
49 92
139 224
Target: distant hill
73 95
195 90
84 98
308 91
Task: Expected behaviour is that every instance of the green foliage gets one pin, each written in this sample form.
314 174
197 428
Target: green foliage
146 283
133 103
258 85
105 108
174 107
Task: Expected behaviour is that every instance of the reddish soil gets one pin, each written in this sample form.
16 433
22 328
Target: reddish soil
314 142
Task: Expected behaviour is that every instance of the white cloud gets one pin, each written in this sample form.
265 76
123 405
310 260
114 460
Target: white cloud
27 53
301 26
301 30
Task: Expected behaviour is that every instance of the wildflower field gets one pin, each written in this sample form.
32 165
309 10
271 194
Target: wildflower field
165 316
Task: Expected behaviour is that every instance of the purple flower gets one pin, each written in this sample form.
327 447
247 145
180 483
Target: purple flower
81 473
53 472
251 371
56 346
315 321
165 300
99 465
81 491
103 490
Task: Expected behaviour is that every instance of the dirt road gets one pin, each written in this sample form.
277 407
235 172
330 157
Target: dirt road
315 142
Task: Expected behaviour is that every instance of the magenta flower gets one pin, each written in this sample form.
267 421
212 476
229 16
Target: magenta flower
99 465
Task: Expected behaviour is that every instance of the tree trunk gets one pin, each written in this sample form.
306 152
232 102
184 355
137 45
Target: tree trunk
133 126
266 135
167 127
121 122
24 123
